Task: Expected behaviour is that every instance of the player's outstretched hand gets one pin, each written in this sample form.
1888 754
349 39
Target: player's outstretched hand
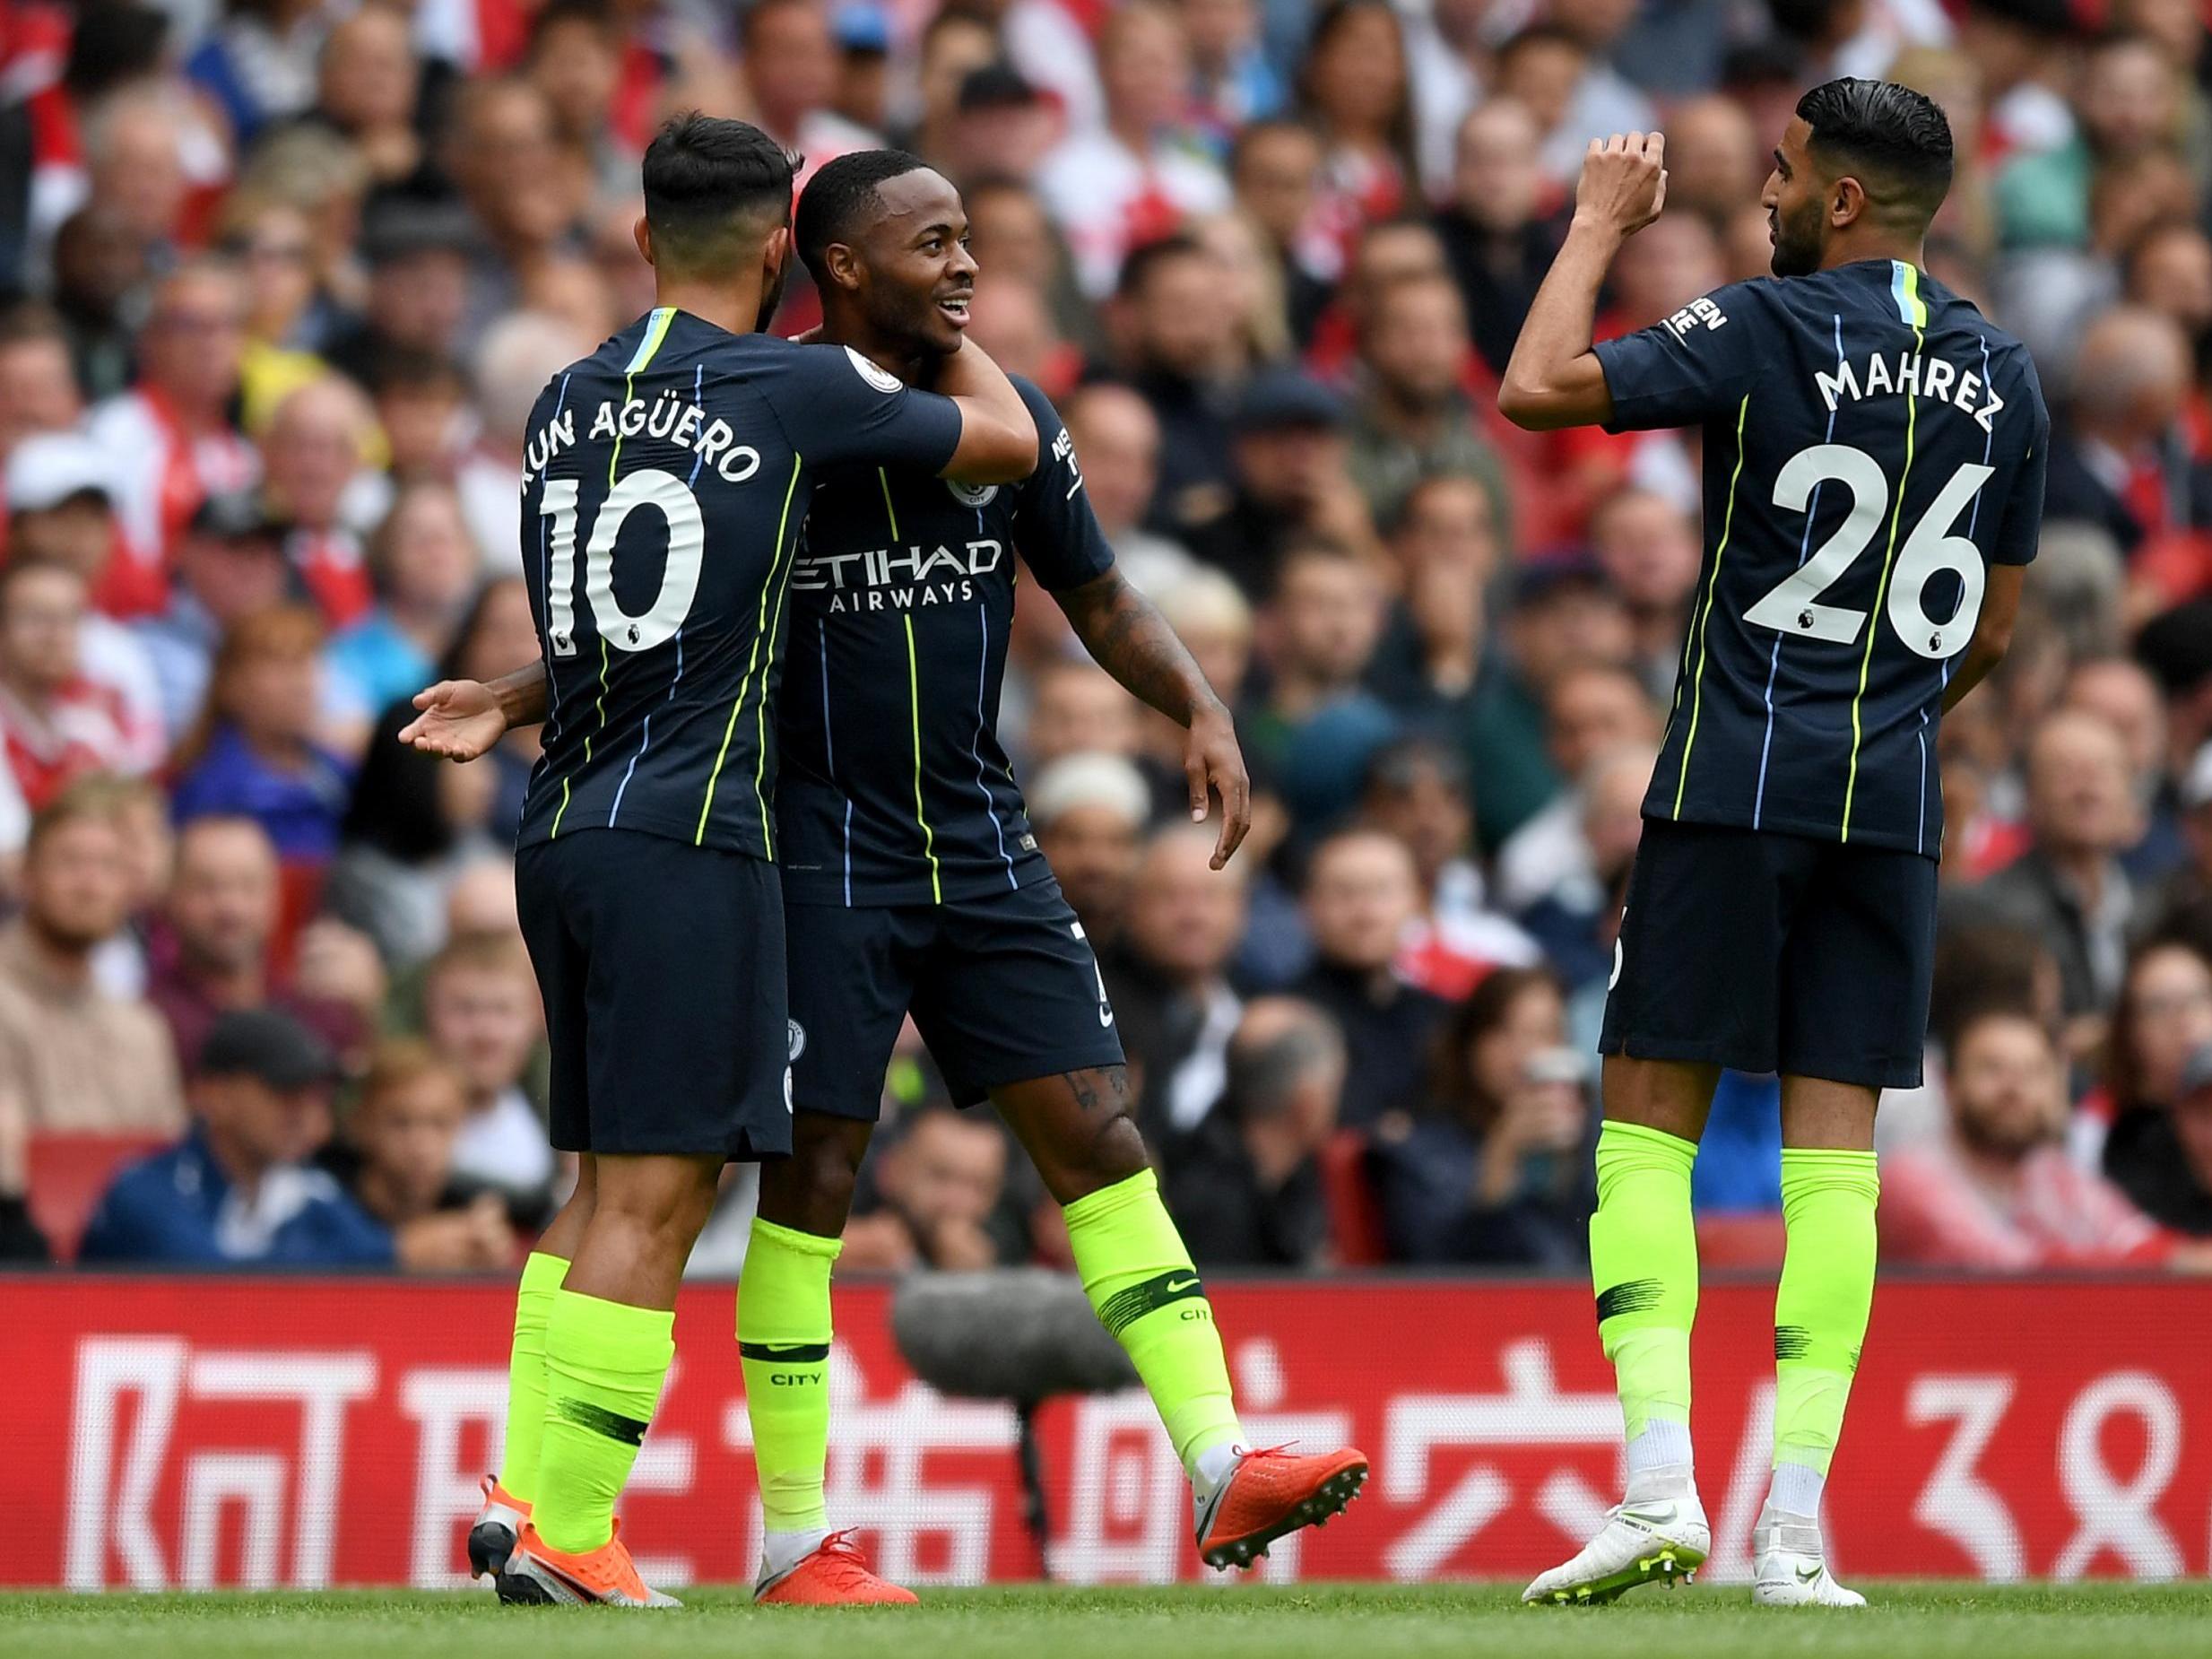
460 719
1212 760
1624 181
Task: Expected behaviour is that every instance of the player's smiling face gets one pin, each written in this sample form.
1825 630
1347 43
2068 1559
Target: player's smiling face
1796 200
920 275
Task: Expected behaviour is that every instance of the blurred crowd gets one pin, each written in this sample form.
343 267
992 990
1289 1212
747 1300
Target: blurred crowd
281 278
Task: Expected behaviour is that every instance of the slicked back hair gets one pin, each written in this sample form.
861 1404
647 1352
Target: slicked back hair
711 185
839 196
1896 141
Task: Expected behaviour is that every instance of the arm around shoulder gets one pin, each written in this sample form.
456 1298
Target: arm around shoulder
998 435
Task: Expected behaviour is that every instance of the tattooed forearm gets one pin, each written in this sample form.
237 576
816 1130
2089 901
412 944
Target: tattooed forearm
1126 636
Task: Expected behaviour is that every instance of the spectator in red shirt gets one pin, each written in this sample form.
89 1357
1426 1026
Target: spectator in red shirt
175 427
313 453
56 725
1997 1190
37 387
1356 91
61 510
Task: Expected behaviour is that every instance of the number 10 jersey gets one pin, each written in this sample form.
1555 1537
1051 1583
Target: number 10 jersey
1872 445
665 481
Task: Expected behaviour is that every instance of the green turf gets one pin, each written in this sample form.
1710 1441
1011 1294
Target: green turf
1327 1621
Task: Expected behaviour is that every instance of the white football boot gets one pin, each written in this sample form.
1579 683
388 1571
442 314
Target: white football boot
1792 1565
1644 1540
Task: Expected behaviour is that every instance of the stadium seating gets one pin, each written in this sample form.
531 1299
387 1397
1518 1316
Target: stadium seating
68 1174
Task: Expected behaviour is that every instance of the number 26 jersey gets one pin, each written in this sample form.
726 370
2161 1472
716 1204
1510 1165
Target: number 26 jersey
1872 445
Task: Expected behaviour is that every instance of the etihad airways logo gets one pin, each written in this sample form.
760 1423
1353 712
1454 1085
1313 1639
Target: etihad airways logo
897 579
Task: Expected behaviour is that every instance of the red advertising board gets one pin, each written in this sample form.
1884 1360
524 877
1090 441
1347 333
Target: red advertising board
234 1432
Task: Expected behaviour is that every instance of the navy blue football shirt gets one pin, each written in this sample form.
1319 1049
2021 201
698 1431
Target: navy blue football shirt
1872 445
666 479
894 789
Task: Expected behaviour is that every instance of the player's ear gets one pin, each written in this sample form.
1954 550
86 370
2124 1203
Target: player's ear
1847 199
642 234
842 264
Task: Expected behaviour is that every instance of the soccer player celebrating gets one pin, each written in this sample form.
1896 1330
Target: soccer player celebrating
651 907
915 885
1874 455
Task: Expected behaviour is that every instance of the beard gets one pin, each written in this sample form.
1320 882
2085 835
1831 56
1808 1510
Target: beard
771 296
910 322
2009 1141
1797 242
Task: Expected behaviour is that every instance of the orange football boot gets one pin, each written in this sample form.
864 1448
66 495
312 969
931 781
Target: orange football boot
605 1578
834 1574
1271 1492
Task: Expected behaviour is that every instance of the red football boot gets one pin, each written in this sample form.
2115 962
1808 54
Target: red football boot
833 1574
1271 1493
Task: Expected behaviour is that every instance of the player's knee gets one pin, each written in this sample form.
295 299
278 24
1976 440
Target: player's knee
657 1197
813 1189
1106 1154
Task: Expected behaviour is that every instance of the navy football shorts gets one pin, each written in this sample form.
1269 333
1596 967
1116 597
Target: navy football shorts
1767 952
1003 989
661 967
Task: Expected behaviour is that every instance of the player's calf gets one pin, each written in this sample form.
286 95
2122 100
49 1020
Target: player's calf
1145 1290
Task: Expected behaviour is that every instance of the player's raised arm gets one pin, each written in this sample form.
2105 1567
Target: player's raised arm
1554 379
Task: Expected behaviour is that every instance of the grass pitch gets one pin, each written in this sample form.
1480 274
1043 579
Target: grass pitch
1318 1621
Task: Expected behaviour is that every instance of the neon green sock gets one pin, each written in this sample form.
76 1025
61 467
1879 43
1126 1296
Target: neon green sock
525 1375
1826 1294
783 1346
604 1364
1643 1262
1144 1288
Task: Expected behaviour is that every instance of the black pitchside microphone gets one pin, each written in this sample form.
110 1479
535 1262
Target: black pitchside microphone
1020 1334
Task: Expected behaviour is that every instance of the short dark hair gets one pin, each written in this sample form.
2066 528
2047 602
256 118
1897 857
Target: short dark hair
26 321
1897 136
1428 482
1310 547
836 198
1146 257
708 180
1397 765
400 369
1263 1072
